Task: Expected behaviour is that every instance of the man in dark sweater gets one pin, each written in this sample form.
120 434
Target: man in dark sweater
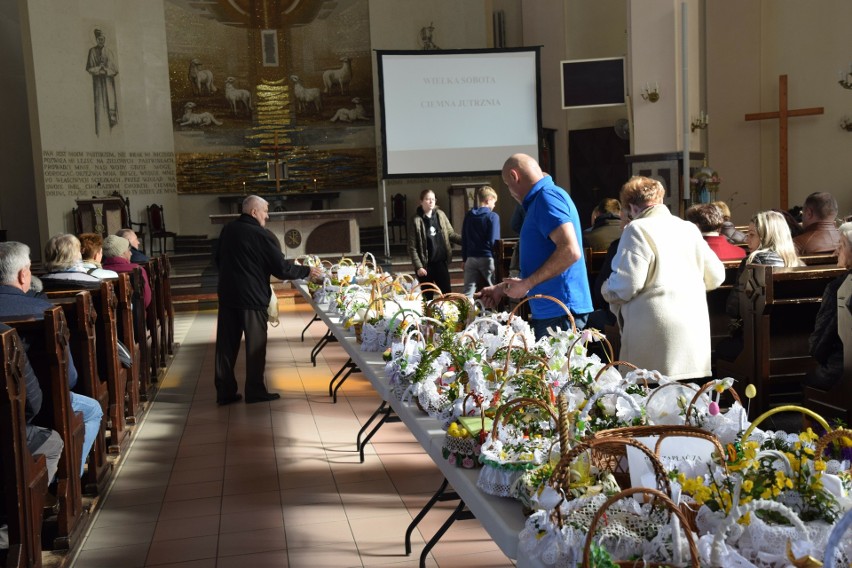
247 256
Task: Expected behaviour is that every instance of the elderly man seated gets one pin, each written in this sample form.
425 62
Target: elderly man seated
15 279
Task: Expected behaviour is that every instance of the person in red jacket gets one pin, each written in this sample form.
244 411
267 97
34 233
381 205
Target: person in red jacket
708 218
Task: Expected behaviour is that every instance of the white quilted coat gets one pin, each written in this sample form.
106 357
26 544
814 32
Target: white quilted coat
657 289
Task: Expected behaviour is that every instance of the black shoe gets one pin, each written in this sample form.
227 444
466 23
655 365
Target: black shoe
229 399
264 398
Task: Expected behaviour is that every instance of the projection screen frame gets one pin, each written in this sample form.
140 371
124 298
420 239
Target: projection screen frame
386 174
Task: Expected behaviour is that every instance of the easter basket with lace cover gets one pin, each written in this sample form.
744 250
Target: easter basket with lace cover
404 359
456 311
464 438
666 544
689 466
578 491
784 475
519 441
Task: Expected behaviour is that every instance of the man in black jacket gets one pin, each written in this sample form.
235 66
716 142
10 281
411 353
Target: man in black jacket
247 256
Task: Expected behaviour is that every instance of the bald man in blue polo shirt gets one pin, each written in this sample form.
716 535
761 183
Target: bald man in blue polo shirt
551 250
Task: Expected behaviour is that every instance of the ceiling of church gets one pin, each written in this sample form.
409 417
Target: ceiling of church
271 13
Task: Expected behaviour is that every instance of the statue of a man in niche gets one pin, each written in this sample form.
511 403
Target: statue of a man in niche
426 34
102 67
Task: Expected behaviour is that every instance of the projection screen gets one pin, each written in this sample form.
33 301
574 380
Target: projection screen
457 112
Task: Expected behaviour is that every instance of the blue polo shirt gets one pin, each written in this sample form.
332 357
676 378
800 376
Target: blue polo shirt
547 207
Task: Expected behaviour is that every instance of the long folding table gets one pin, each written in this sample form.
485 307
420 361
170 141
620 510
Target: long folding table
502 518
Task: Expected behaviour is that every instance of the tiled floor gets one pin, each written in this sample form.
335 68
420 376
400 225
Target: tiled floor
274 484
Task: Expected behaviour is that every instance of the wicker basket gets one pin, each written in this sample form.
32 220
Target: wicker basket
605 455
464 452
499 477
568 313
658 496
841 435
690 409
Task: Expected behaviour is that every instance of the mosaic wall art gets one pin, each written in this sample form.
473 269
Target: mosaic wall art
253 81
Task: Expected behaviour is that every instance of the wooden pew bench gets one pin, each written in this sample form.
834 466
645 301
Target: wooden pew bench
778 307
80 315
836 403
23 477
48 360
109 367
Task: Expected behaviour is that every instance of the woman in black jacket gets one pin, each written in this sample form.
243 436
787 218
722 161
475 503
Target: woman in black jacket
430 241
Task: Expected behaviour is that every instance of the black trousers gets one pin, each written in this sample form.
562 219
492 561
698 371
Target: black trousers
439 274
230 327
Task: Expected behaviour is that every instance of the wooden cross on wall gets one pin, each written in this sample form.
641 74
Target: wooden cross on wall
782 114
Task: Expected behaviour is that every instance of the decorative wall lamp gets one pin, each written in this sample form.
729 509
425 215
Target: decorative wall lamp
701 122
846 124
649 94
845 79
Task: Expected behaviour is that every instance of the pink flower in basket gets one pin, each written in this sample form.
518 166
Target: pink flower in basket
452 458
467 462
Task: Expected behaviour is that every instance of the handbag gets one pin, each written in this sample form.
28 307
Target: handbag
272 309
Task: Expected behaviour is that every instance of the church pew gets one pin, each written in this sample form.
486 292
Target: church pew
166 286
594 260
836 403
778 307
127 335
716 301
159 302
80 315
23 477
502 252
152 322
147 363
109 366
49 362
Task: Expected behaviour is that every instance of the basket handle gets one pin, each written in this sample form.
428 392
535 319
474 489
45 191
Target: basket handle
603 369
610 352
835 537
786 408
561 477
544 297
664 385
364 261
426 287
670 505
835 436
704 388
513 406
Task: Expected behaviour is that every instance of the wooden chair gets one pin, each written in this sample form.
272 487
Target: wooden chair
157 225
23 477
138 228
398 222
837 401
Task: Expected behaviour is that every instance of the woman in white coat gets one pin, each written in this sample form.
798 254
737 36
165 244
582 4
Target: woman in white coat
658 286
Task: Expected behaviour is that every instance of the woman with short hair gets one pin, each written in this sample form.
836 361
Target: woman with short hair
658 287
63 263
92 250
